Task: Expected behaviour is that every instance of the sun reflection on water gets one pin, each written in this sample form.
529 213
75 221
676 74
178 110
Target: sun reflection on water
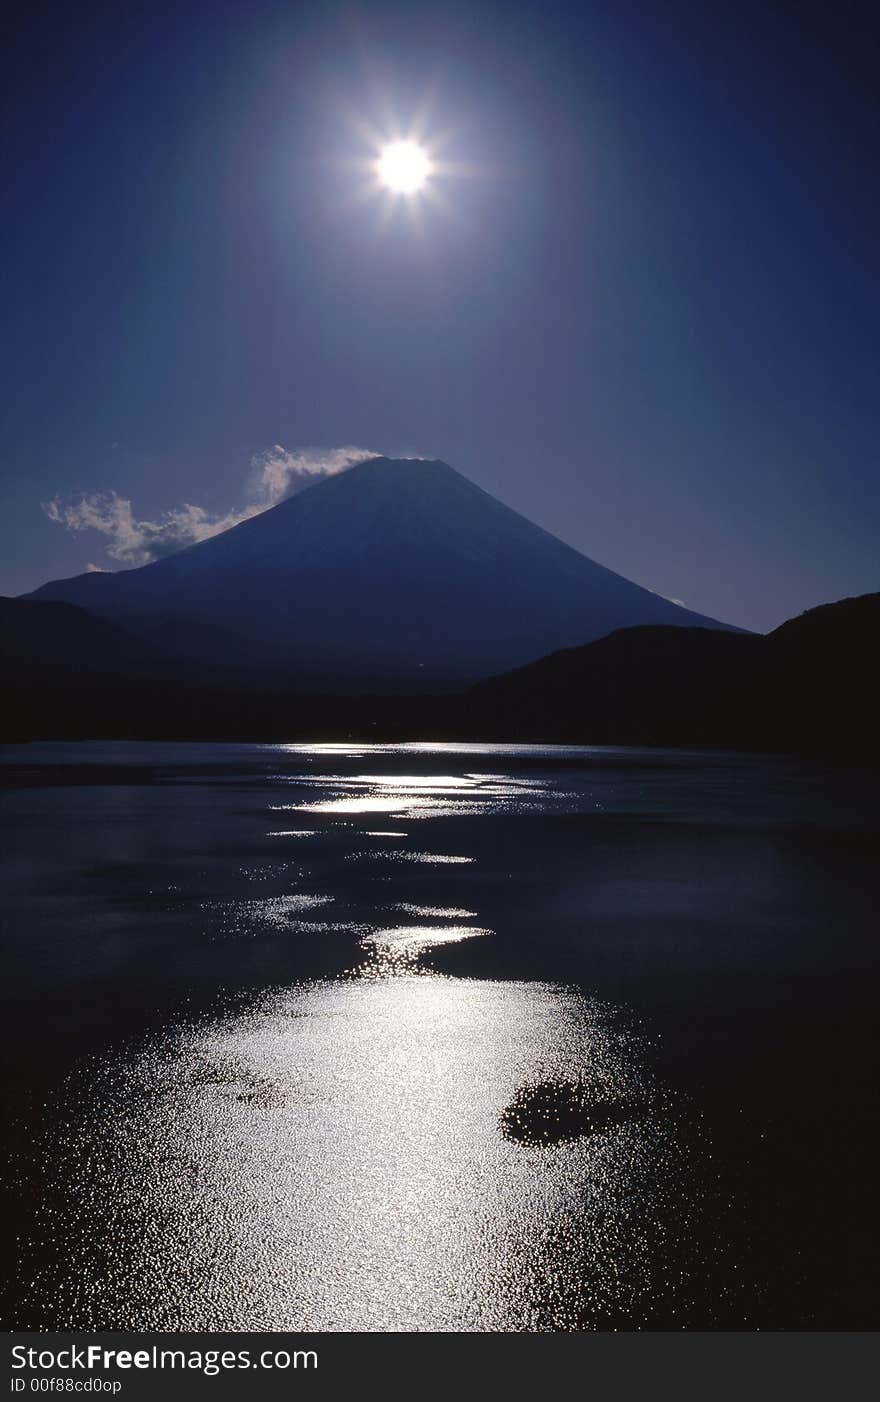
337 1159
411 795
392 1149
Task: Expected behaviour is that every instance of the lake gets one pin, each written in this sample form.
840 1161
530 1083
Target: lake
438 1037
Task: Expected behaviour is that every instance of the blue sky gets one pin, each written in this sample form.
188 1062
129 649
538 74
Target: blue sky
642 308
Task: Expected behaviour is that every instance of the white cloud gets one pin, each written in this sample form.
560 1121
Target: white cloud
275 474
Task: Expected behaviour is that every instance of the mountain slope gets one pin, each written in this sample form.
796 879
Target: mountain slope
812 687
393 574
825 676
651 685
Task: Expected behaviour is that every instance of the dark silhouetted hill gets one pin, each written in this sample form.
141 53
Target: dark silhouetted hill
651 686
812 685
60 640
824 677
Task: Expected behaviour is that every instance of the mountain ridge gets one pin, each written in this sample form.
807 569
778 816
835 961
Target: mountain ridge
812 686
395 572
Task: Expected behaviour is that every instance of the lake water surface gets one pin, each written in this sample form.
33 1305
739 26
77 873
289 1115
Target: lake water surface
438 1037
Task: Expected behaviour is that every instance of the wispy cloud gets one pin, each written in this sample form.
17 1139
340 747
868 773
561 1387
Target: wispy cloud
275 474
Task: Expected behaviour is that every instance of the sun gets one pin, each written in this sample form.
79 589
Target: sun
403 167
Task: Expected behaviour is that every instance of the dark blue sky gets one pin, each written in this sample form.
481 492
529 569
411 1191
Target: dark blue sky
645 315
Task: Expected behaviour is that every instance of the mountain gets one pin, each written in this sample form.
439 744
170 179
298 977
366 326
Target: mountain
394 575
40 639
647 686
824 675
59 665
811 686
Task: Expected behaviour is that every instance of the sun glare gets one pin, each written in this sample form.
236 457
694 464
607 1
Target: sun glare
403 167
